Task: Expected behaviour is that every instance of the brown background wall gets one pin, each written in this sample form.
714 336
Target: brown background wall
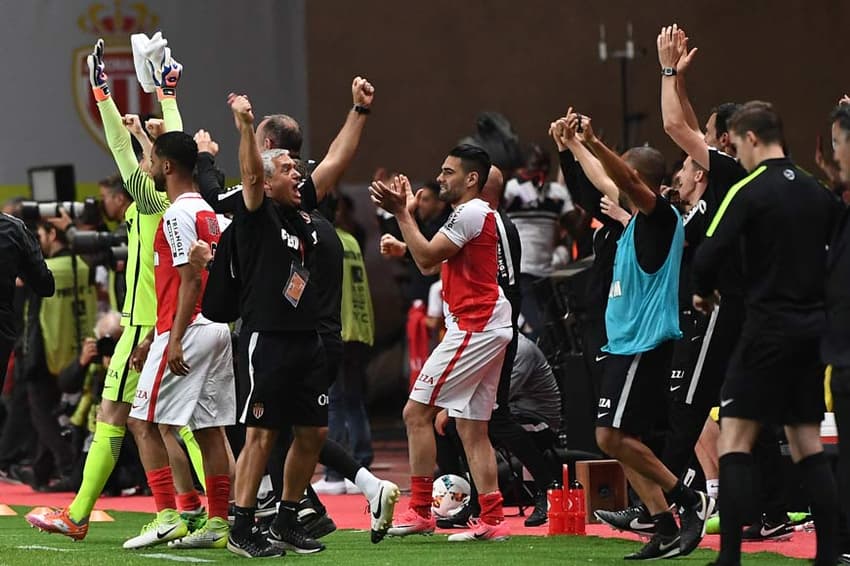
437 63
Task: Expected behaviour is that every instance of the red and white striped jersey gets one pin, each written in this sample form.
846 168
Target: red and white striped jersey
188 219
473 299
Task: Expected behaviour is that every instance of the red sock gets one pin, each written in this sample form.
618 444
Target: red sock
420 494
162 488
491 507
189 501
218 495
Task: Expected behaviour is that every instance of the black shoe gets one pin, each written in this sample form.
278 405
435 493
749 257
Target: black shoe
316 524
692 520
634 520
844 558
459 520
294 538
659 546
266 505
541 511
766 530
252 546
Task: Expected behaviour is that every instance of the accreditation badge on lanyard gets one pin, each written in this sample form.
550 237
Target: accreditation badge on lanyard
298 278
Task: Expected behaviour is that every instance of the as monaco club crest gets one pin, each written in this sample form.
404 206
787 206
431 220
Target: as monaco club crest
115 26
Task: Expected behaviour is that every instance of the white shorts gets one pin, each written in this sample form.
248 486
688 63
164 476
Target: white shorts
204 398
462 373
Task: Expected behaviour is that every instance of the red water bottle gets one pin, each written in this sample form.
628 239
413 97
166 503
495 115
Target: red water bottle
579 508
555 514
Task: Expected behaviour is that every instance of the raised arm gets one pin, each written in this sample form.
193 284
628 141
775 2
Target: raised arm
625 178
679 119
250 162
342 149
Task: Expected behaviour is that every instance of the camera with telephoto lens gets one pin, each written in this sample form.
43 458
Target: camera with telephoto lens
86 212
101 248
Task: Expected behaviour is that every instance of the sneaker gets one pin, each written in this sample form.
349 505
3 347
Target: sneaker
844 558
634 520
266 505
483 531
325 487
412 523
765 530
294 538
692 520
541 511
659 546
458 520
196 519
381 509
254 545
167 526
316 523
213 534
351 487
58 521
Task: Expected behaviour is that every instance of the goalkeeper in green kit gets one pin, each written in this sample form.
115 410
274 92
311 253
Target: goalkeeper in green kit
155 69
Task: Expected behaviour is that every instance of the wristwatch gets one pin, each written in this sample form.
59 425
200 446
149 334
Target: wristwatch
668 71
362 109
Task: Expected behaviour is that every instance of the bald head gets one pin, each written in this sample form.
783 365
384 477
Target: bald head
494 188
109 324
280 131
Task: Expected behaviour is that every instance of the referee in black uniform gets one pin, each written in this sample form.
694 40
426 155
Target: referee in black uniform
783 220
20 256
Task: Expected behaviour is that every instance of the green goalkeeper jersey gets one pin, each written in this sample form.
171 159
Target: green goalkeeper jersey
143 218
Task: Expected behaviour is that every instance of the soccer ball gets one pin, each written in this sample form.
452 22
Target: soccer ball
449 495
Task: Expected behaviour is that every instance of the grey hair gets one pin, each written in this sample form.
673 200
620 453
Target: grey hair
108 324
269 156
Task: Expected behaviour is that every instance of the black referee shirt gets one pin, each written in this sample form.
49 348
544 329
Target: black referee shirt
783 219
326 273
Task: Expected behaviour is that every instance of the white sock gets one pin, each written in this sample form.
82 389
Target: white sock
712 487
367 482
265 485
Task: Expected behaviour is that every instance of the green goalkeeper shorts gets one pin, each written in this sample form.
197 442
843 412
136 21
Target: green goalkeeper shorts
121 379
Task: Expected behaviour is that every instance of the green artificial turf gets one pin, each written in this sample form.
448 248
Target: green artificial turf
22 545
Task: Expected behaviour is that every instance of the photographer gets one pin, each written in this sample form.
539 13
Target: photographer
83 379
104 251
52 338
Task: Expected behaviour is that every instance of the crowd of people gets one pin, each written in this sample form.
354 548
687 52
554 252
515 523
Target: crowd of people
246 320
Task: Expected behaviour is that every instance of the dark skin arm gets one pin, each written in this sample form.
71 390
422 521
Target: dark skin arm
187 298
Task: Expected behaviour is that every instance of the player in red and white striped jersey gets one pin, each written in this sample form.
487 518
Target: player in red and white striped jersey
462 374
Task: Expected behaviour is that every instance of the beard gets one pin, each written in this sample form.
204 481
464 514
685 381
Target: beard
159 182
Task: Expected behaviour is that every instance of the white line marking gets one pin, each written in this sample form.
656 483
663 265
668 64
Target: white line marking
162 556
40 547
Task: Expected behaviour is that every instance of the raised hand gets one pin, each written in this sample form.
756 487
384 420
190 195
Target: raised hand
206 143
97 72
362 92
844 99
392 197
680 41
614 210
133 125
668 55
582 127
155 127
166 71
243 114
200 254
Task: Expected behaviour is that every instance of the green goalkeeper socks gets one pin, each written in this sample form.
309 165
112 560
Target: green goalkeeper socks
103 454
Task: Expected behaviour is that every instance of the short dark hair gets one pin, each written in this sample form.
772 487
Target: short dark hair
178 147
650 165
841 116
284 132
761 119
48 227
116 186
473 159
722 113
